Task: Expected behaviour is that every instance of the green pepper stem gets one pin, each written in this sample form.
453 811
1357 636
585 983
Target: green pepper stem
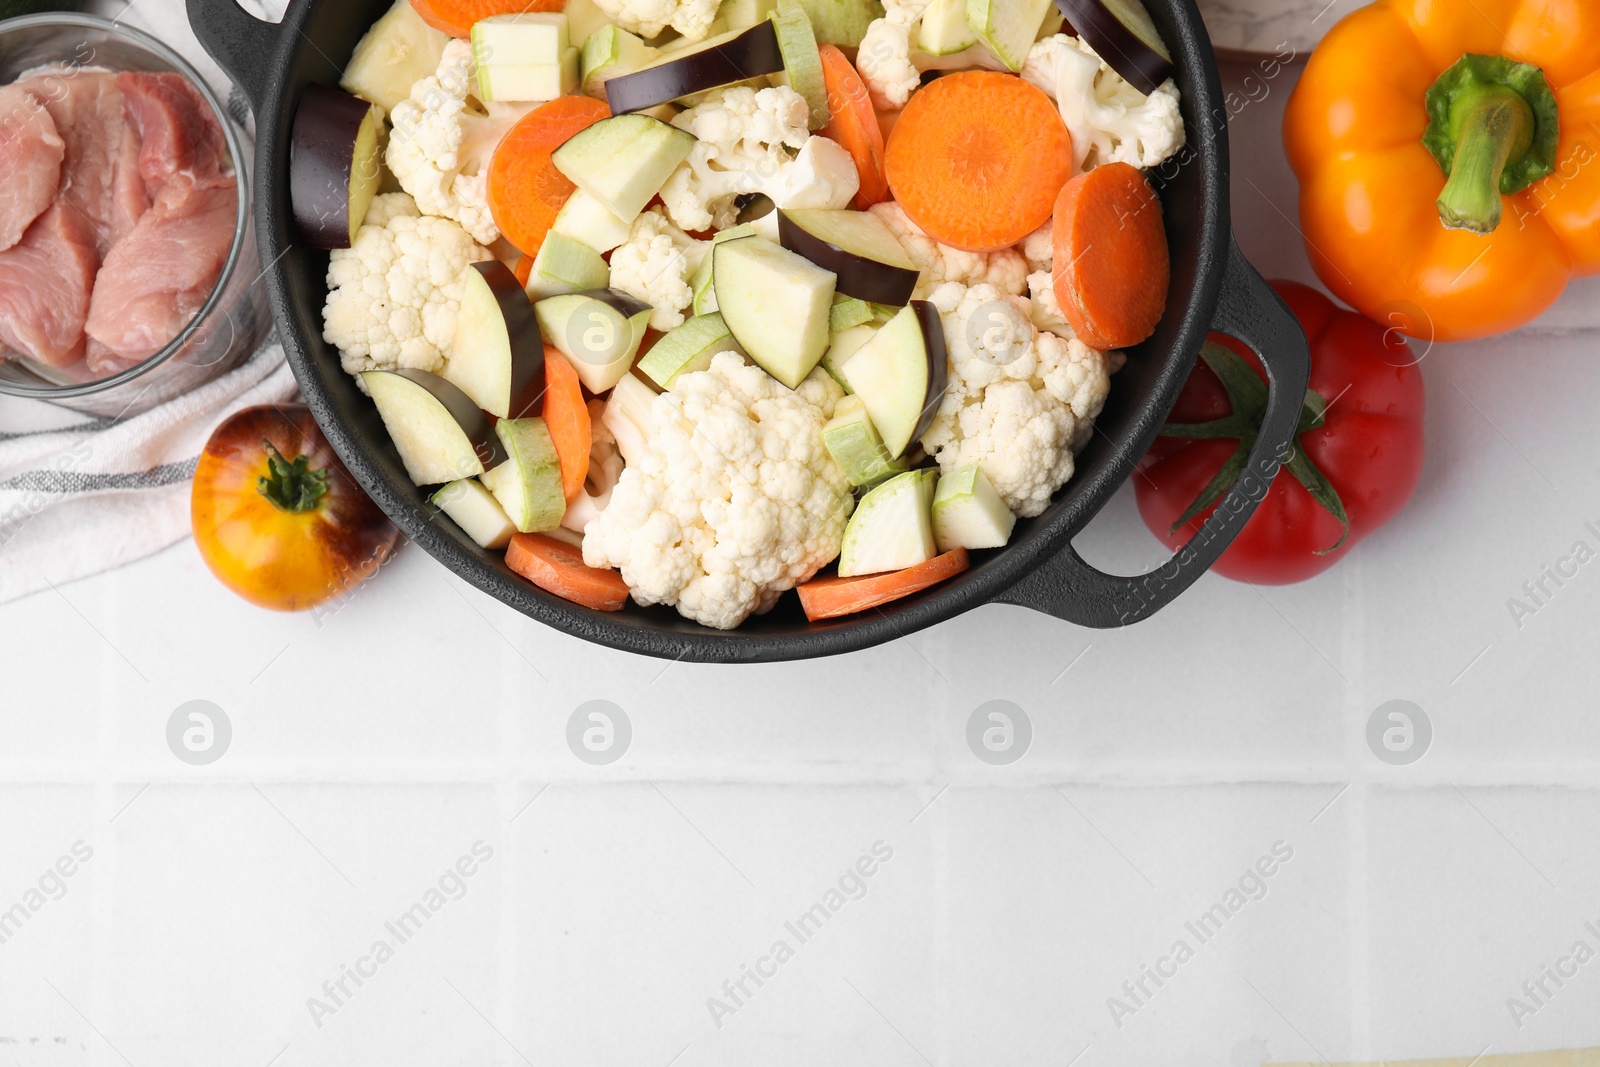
1498 127
1494 126
293 487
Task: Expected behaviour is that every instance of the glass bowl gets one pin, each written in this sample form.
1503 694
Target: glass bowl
232 323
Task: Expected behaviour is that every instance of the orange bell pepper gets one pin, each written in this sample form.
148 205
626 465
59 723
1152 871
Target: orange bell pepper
1449 160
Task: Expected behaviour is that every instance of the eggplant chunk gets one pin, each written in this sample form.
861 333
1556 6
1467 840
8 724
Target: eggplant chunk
724 60
335 165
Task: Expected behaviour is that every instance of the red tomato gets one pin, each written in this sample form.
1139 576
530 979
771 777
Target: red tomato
1360 447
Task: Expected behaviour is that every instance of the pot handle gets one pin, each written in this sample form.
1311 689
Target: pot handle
243 45
1069 588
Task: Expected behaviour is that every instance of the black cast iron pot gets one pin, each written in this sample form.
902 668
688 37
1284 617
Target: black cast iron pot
1213 288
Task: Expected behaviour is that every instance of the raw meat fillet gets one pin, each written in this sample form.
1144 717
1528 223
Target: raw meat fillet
30 158
45 282
101 175
182 138
100 362
155 280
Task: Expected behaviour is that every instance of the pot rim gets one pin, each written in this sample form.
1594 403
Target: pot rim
662 633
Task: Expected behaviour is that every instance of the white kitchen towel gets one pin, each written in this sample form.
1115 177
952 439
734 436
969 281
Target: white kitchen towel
99 494
81 495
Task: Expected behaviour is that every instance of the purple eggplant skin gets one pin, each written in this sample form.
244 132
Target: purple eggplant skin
862 278
752 54
752 206
625 304
1139 64
322 164
938 364
527 343
473 420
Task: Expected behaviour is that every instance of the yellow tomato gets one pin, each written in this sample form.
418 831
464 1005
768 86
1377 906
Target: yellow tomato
278 518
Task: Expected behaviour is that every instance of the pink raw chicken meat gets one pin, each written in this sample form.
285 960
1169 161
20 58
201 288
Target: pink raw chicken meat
31 151
158 277
182 139
100 177
155 280
45 281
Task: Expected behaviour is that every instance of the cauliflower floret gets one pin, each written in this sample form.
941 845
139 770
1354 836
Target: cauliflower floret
884 61
655 264
1006 269
1049 318
1110 121
1046 309
385 209
1020 403
905 12
892 69
605 467
647 18
1039 248
822 175
734 499
443 139
393 297
754 141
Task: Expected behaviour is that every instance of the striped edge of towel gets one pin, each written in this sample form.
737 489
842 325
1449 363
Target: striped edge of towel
99 494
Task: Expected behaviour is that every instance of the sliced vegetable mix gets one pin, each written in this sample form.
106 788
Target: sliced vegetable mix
457 17
525 190
854 124
398 51
567 416
1445 155
277 517
858 248
524 57
1112 266
1121 30
557 567
334 165
831 598
659 283
499 361
751 53
977 159
1357 461
528 485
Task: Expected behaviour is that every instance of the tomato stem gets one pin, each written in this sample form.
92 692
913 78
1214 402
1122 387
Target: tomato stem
1247 395
293 487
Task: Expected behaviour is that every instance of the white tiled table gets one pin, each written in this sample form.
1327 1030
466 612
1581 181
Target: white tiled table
372 749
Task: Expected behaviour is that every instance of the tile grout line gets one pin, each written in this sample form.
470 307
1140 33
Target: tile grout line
510 808
1358 849
1359 702
103 902
1577 778
939 839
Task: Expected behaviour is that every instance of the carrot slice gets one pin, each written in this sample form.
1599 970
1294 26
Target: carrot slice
1112 267
886 123
456 17
977 158
828 598
557 567
524 270
567 418
525 189
854 125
